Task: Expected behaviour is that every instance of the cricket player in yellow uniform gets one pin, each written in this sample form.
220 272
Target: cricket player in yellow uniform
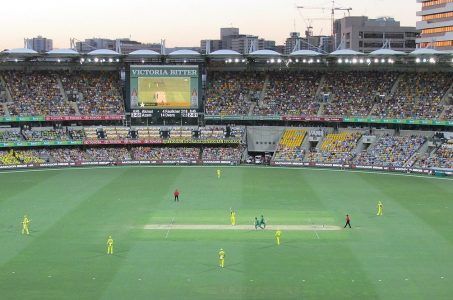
233 217
25 223
110 245
380 208
221 258
278 234
219 173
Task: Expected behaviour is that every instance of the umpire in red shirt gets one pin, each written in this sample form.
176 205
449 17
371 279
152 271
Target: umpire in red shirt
176 194
348 221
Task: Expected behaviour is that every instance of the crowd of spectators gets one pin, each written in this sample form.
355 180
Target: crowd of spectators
50 134
417 96
354 93
170 153
36 94
336 148
222 153
10 136
18 157
441 157
231 93
290 94
96 93
390 151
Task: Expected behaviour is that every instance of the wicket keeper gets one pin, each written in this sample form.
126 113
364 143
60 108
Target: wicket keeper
278 234
221 258
380 208
233 217
110 245
25 223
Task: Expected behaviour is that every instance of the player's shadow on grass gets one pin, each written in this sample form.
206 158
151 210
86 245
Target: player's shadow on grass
214 268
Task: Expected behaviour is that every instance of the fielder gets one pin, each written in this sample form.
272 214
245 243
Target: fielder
380 208
278 234
25 223
110 245
233 218
221 258
219 173
262 223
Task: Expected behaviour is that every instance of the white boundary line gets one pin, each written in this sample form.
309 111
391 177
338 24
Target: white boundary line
223 167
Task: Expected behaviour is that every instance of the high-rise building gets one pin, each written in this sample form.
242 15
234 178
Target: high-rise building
291 42
366 35
214 45
436 25
39 44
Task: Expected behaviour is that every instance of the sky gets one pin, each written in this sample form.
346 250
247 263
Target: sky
180 22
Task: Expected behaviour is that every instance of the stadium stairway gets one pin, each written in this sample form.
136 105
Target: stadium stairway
8 92
395 86
262 95
73 105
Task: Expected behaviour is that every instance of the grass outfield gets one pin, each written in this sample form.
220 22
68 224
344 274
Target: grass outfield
406 254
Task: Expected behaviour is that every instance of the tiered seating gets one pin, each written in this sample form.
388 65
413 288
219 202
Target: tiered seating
289 147
418 96
35 94
48 134
442 157
212 132
290 94
336 148
13 157
391 151
181 133
214 154
90 133
96 93
229 93
149 133
172 154
355 92
10 136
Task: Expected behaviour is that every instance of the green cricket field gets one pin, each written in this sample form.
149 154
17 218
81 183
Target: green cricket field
164 92
169 250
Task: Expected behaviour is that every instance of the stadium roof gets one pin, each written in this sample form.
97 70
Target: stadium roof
267 53
426 51
144 53
21 52
104 52
184 52
346 52
224 53
305 53
63 52
387 52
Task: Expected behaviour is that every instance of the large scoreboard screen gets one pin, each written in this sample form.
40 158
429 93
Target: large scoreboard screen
164 87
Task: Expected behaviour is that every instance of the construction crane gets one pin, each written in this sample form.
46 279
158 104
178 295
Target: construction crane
333 9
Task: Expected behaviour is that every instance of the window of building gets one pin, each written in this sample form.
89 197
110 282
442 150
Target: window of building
435 2
438 16
438 30
373 35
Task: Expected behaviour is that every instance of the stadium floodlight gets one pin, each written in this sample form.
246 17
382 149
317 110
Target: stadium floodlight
304 61
185 61
361 61
82 60
432 60
425 60
297 60
311 61
96 59
418 60
346 60
143 61
279 61
16 60
391 61
110 60
243 60
318 60
290 60
230 60
340 61
117 60
89 60
236 60
59 60
376 60
368 61
272 61
354 60
382 61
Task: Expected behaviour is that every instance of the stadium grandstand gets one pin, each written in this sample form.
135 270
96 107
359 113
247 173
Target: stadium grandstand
348 111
